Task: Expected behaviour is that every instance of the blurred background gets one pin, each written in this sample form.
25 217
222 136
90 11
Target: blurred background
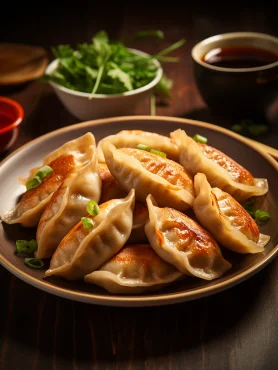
51 23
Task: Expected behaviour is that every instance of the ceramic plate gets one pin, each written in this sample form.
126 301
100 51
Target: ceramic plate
30 155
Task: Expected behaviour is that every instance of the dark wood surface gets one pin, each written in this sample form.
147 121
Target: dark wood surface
235 329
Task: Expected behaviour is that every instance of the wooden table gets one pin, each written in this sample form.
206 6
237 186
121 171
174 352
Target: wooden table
235 329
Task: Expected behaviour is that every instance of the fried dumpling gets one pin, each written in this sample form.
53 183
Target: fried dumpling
184 243
62 161
140 218
68 205
132 138
220 170
149 173
135 269
110 188
226 219
84 250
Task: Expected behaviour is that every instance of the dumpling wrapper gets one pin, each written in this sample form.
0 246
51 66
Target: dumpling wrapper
132 138
149 173
181 241
110 188
221 171
68 205
135 269
63 160
226 219
140 218
84 250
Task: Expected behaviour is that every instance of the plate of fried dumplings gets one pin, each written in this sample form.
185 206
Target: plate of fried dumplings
138 211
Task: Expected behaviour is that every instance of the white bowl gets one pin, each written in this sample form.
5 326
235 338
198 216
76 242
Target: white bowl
103 105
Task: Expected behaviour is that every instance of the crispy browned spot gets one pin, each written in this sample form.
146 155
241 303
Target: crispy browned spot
237 215
190 236
110 188
61 166
169 170
143 254
237 172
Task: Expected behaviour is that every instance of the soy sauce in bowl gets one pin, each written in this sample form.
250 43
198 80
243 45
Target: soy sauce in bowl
239 57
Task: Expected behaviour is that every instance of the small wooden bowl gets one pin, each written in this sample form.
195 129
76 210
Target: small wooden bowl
21 63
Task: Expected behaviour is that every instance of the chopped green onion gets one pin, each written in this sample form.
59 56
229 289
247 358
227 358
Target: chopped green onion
34 263
92 208
44 171
257 214
200 139
39 176
262 215
162 154
87 222
26 247
33 183
143 147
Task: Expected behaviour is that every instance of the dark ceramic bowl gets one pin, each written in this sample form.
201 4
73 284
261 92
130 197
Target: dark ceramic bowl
11 115
237 90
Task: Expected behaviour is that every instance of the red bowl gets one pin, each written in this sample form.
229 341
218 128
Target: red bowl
11 115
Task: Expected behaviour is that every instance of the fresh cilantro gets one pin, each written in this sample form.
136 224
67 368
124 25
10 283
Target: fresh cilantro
108 67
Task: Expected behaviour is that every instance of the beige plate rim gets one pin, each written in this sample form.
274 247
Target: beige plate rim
150 300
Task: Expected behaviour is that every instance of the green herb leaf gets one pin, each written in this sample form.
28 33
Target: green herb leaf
143 147
92 208
157 152
200 139
109 67
26 247
117 73
34 263
87 222
153 33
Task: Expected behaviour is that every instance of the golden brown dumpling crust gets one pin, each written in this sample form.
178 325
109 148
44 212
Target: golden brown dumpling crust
237 172
79 227
142 253
110 187
237 215
61 166
169 170
190 236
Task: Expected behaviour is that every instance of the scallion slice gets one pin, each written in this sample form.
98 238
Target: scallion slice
87 222
261 215
26 247
44 171
34 263
143 147
92 208
200 139
157 152
38 178
33 183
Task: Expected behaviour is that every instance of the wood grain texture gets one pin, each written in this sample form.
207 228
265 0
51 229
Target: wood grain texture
233 330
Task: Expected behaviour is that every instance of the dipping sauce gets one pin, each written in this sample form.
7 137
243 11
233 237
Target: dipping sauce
239 57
